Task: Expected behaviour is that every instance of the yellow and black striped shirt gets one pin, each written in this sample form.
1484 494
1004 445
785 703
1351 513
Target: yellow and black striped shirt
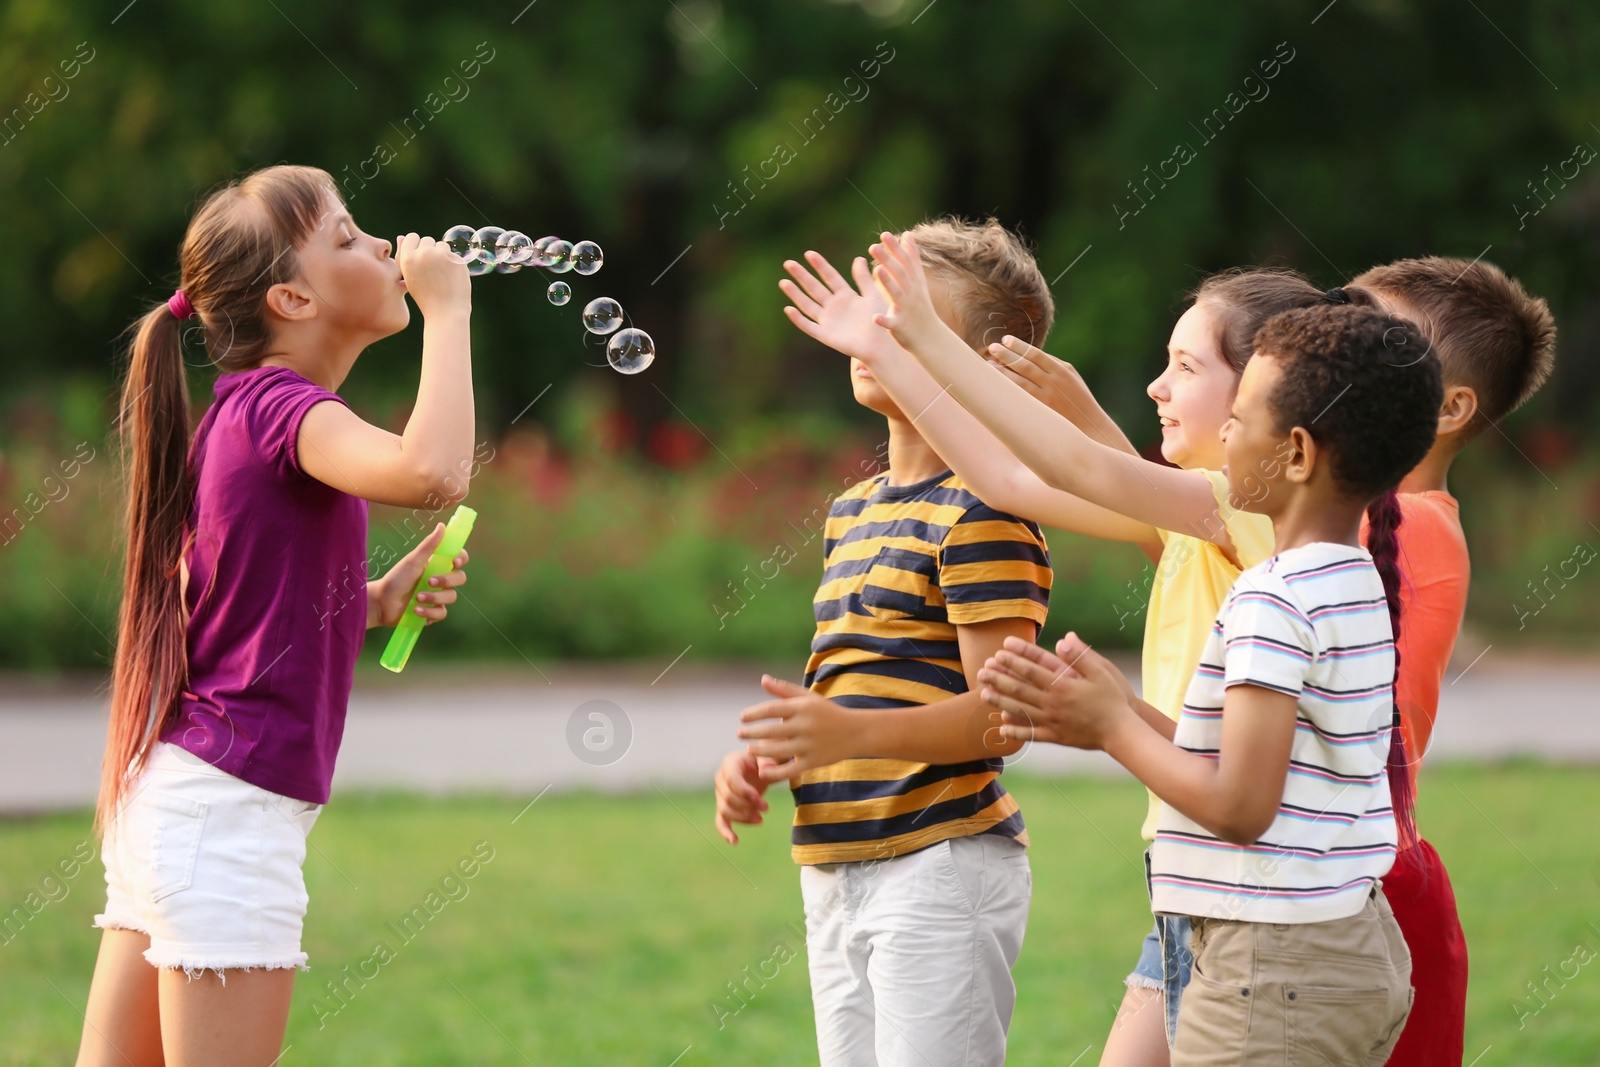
904 566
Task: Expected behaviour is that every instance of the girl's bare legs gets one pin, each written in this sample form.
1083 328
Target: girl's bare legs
206 1023
135 1010
1138 1038
122 1025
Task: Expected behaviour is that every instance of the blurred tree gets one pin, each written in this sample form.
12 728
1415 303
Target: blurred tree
1389 128
701 142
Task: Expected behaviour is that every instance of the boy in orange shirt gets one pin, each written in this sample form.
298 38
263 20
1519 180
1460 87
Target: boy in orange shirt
1497 345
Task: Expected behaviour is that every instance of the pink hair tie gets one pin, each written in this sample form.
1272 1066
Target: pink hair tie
179 305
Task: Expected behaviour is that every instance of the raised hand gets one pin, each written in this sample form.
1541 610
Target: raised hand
899 276
1053 381
1058 385
828 309
435 277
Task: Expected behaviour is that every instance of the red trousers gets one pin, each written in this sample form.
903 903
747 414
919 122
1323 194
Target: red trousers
1418 889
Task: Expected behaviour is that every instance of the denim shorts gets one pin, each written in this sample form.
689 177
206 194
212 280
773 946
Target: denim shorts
1147 973
208 865
1165 961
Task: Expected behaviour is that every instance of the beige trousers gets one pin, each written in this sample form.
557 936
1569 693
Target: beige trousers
1325 994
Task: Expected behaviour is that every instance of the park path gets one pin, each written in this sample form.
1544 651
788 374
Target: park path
498 729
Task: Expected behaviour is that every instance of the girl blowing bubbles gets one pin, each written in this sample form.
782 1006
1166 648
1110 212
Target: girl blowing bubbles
232 674
1280 806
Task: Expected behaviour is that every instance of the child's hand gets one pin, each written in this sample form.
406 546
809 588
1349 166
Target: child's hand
1055 382
436 278
739 789
900 278
392 592
798 731
827 309
1076 698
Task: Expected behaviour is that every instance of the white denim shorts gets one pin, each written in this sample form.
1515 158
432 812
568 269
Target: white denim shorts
209 866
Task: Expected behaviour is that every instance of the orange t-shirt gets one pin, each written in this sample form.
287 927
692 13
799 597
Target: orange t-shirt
1434 571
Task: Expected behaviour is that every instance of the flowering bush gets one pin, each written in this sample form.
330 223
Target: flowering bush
646 544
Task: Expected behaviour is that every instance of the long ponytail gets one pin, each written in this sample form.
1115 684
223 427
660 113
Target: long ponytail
150 667
1383 525
241 242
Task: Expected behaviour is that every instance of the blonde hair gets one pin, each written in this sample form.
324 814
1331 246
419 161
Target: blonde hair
995 285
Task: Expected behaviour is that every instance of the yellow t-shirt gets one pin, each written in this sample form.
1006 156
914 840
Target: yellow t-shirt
1186 593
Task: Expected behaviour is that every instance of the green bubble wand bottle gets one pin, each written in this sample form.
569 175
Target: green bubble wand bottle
404 638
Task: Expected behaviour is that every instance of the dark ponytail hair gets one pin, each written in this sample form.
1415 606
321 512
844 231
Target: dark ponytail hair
1383 542
240 243
1367 388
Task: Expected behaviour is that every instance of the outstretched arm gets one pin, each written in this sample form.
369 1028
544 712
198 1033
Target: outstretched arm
827 308
1056 450
1057 384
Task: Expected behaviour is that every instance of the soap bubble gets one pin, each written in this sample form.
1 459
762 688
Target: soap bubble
559 293
485 239
514 248
459 240
480 256
587 257
558 256
539 246
630 351
511 250
602 315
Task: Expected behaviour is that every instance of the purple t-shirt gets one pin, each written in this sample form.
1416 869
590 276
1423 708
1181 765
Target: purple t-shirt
277 592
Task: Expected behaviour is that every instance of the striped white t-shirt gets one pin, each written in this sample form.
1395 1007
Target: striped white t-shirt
1311 622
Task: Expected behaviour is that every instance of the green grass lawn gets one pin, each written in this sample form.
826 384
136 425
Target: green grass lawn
605 930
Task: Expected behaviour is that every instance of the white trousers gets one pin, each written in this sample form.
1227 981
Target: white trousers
911 957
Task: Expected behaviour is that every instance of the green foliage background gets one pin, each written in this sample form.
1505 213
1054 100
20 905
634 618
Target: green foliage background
1396 128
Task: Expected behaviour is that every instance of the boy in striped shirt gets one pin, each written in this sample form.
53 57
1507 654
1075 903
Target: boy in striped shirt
1279 818
914 868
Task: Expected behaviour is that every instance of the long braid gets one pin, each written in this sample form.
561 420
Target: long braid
1383 518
